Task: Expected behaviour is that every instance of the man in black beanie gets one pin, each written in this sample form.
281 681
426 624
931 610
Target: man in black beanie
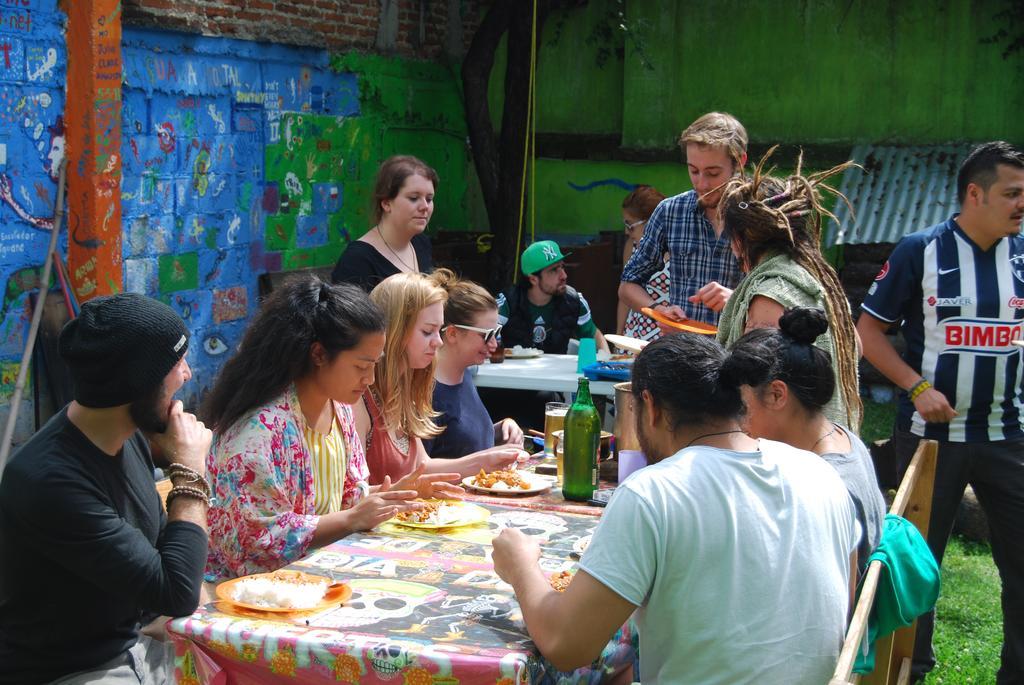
87 552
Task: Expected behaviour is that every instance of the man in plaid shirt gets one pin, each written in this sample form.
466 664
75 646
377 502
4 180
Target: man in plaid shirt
702 268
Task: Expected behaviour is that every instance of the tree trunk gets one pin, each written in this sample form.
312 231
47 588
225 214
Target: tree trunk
499 163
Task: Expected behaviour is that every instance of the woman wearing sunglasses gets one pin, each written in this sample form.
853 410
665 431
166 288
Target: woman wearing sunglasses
397 413
470 335
636 210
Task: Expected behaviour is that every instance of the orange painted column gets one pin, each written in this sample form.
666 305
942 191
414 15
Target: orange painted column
93 121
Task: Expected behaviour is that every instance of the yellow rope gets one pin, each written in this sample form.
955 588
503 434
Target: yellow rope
530 126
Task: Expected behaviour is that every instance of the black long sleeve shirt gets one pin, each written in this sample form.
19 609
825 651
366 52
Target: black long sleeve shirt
85 553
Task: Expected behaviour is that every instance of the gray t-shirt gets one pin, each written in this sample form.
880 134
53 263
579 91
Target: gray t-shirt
858 473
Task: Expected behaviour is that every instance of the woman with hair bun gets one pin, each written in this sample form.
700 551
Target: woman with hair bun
789 384
736 550
775 226
286 465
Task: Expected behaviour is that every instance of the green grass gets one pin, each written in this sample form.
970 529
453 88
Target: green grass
969 629
877 422
969 626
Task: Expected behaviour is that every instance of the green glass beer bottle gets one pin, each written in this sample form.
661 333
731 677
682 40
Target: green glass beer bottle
582 441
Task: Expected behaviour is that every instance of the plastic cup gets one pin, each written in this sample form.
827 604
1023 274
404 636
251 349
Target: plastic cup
630 461
587 354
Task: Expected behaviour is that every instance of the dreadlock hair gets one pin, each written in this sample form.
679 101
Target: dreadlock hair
768 215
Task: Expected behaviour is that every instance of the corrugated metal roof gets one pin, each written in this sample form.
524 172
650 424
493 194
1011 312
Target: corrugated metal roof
900 190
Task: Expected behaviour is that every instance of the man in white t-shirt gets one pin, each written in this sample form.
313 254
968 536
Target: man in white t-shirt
735 553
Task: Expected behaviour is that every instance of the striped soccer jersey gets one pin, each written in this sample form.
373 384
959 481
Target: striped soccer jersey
960 307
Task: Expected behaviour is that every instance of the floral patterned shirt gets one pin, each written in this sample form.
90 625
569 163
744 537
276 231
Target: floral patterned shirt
263 516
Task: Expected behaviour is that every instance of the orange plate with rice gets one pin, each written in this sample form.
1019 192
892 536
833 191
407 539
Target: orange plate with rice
335 594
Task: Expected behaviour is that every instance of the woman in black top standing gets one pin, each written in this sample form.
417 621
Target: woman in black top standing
403 201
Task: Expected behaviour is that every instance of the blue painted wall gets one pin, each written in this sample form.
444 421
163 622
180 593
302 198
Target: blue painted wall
32 73
199 116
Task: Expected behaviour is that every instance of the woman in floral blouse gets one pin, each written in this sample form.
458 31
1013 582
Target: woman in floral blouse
287 467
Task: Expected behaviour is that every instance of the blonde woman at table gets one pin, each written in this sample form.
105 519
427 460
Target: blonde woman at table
287 467
470 334
396 413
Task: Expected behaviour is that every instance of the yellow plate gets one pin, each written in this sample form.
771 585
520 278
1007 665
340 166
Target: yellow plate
467 515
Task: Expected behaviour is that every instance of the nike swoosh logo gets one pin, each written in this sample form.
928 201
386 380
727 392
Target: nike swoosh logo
943 272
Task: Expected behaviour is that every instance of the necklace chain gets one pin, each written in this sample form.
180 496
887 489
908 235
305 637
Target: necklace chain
710 435
387 245
834 426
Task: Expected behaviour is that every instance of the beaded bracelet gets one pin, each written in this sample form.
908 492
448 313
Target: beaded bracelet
186 491
191 477
918 388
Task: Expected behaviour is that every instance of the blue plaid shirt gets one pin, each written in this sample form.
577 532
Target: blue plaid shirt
696 257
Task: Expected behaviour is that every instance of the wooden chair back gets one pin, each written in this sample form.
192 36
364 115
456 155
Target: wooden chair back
894 652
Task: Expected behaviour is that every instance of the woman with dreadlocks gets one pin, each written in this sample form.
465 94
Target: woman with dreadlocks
775 224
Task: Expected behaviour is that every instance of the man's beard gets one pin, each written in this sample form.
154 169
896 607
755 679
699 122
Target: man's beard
646 446
556 290
149 412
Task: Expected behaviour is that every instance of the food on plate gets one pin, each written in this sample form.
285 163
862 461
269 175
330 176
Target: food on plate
505 479
520 351
281 590
560 581
436 512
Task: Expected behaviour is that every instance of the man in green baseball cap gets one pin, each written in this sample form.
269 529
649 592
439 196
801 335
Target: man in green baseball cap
542 310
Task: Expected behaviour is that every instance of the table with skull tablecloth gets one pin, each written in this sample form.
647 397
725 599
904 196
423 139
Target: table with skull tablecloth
426 609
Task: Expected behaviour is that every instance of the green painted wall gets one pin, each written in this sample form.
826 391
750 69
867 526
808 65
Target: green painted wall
412 108
897 71
583 197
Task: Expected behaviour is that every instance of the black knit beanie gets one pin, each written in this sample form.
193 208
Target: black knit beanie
121 347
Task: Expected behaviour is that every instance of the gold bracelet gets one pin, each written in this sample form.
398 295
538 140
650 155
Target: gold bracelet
918 388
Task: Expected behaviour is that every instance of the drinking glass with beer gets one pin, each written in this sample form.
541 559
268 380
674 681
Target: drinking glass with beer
554 420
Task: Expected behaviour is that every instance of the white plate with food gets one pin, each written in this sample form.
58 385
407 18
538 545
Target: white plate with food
624 342
507 482
519 352
439 513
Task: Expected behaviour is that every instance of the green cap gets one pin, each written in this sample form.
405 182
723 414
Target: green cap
540 255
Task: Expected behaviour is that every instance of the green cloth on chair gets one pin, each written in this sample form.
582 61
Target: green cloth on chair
907 588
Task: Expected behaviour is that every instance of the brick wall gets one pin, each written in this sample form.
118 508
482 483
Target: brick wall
338 25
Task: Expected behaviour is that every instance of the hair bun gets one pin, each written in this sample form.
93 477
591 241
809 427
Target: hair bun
803 325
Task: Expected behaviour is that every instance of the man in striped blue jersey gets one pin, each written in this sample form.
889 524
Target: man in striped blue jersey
957 291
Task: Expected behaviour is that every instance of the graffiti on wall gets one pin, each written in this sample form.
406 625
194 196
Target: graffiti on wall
32 69
94 132
200 119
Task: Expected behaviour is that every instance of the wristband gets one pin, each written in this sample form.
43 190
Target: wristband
918 388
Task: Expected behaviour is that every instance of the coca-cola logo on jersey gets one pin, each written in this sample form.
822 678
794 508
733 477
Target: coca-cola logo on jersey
884 272
1016 302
